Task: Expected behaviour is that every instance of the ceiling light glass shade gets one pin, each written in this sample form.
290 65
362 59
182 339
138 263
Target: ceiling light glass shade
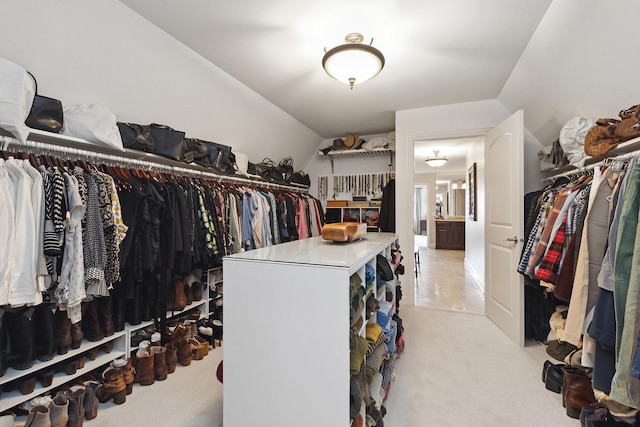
436 161
353 63
464 186
454 186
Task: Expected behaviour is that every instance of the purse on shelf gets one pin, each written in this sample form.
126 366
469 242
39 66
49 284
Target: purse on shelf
136 137
608 132
46 113
167 142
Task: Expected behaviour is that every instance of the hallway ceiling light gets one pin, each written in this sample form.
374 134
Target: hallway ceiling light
353 63
463 184
436 161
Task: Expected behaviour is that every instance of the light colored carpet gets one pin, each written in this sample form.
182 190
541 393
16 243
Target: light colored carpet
191 396
458 369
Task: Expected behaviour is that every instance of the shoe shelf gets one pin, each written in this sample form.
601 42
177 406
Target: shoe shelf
323 343
9 399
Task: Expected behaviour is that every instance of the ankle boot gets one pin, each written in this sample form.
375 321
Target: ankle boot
90 322
171 357
105 314
38 417
59 410
179 333
204 343
184 352
3 343
43 322
177 298
63 332
90 402
159 362
128 374
576 390
20 330
112 387
196 290
145 372
76 407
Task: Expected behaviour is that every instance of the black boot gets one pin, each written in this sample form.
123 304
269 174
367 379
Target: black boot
133 313
21 354
3 343
63 332
118 306
105 315
90 321
44 339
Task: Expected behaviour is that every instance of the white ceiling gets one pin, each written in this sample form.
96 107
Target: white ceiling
437 52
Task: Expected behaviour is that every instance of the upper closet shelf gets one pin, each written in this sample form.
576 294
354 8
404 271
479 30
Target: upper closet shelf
49 142
331 155
623 150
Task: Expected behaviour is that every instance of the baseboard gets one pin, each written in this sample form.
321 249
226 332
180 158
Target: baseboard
474 275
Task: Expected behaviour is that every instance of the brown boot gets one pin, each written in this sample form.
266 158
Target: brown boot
76 408
171 357
576 390
197 348
113 387
184 352
196 290
145 374
128 374
177 299
90 322
159 362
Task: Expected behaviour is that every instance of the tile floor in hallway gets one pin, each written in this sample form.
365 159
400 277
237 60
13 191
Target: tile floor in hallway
443 282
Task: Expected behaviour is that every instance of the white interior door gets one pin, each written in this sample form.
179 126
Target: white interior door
504 293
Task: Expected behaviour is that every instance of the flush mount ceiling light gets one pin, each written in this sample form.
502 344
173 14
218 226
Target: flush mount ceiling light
353 63
436 161
463 184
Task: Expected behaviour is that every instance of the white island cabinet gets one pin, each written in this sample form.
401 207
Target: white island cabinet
286 331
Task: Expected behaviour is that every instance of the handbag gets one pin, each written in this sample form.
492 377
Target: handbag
197 151
136 137
167 142
301 178
285 167
46 113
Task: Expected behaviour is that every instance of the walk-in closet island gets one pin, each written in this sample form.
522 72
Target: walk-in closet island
287 329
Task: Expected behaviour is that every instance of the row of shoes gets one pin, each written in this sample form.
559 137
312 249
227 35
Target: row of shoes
69 406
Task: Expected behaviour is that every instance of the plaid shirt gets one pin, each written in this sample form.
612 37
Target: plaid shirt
545 232
552 261
536 230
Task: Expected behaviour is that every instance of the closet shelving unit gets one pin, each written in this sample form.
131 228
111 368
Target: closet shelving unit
287 330
10 399
69 148
341 154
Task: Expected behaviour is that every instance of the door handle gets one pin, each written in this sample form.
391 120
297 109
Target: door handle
512 239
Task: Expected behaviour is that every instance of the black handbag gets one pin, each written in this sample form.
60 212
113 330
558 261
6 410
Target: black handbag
136 137
285 167
197 151
383 268
301 178
46 113
167 142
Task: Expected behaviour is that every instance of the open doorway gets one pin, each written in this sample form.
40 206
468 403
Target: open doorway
445 256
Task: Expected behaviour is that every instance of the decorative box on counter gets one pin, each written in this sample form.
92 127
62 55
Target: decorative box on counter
337 203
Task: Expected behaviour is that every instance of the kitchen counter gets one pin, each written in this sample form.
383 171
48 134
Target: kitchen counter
450 234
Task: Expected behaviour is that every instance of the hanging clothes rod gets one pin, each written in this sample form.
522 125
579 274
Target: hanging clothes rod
76 149
608 160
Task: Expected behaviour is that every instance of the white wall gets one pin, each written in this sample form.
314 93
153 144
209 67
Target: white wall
429 181
449 121
474 230
101 52
578 63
